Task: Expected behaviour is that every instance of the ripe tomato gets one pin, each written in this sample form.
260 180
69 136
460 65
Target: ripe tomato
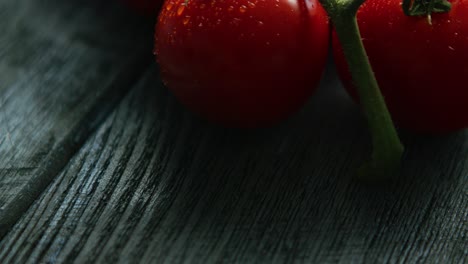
422 69
244 63
145 6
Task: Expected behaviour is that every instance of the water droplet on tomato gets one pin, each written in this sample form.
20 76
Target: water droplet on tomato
242 8
169 6
186 20
230 8
180 10
251 4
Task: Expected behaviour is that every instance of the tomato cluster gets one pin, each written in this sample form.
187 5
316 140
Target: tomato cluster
255 62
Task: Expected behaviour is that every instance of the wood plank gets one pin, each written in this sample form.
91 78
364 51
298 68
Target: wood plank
63 66
155 184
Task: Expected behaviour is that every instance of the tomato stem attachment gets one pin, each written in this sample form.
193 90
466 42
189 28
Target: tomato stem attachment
425 8
387 148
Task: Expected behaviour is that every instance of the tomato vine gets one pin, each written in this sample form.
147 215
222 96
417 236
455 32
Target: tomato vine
387 148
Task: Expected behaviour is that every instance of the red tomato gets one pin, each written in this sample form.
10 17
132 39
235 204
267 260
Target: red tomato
145 6
422 69
244 63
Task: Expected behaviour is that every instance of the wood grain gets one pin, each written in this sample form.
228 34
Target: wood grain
155 184
63 66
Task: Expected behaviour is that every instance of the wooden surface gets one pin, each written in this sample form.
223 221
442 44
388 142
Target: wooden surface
99 163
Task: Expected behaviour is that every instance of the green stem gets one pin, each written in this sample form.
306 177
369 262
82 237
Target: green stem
387 148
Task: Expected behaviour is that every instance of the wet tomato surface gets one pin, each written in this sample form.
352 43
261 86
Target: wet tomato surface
242 63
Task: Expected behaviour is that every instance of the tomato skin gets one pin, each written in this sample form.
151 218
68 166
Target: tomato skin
242 63
422 70
148 7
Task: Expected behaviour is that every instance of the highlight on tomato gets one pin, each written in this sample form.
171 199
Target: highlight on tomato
245 63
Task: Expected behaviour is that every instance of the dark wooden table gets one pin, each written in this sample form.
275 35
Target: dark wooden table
99 163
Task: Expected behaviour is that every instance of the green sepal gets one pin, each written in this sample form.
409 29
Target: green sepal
425 7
